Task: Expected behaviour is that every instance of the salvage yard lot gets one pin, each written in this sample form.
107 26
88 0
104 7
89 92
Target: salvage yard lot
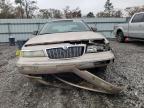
16 91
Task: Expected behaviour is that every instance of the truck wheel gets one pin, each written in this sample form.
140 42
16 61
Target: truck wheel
120 37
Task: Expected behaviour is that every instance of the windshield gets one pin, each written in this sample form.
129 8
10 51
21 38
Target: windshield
64 26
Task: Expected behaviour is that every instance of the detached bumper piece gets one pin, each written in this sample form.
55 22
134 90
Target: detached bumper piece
91 83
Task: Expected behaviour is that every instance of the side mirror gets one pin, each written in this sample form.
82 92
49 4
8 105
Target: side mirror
94 29
35 33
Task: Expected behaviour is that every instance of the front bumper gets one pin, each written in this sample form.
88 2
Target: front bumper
43 65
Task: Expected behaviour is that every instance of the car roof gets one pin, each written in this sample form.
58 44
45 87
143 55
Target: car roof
65 20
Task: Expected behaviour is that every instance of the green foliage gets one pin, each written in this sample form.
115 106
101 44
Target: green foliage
109 11
90 15
18 1
108 7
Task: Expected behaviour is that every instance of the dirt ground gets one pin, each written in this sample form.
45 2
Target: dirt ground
16 91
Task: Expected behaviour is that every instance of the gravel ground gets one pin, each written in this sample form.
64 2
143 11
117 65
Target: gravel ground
16 91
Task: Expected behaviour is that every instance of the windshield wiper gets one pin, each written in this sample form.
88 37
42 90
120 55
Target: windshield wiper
45 33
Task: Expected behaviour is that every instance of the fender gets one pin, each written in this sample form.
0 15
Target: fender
119 29
123 27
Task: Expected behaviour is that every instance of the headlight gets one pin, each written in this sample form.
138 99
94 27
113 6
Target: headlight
39 53
97 48
91 49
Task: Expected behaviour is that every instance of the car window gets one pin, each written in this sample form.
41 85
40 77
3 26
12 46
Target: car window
138 18
64 26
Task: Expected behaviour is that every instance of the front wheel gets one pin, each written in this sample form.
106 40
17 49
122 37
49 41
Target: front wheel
120 37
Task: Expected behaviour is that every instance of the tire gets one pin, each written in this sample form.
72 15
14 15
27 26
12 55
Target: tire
120 37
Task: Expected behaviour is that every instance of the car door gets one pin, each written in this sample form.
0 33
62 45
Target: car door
136 26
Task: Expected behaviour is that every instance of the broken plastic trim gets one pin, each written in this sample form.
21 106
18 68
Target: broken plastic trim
100 85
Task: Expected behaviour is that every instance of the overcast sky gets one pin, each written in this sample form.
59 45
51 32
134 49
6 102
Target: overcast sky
88 5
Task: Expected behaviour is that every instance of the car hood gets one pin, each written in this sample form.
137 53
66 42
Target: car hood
61 37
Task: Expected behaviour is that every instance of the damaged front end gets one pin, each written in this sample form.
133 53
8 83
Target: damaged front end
90 81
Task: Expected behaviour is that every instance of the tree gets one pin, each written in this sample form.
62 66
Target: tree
50 13
109 11
55 13
19 9
90 15
19 12
6 10
101 14
2 2
108 8
67 12
29 7
132 10
117 13
75 13
44 13
114 13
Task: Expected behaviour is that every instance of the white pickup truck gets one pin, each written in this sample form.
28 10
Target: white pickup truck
133 29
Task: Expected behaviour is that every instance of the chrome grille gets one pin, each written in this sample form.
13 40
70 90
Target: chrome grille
59 53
